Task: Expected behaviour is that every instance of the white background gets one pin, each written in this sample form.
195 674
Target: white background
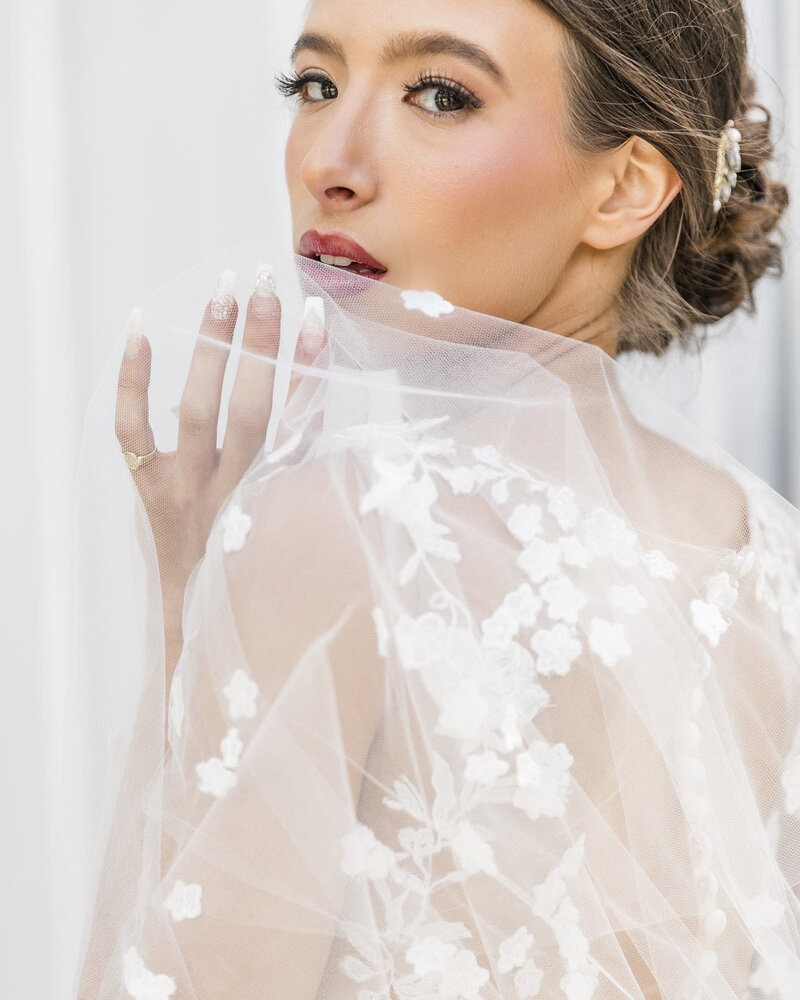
139 138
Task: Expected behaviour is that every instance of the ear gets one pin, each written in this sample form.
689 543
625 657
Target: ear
643 184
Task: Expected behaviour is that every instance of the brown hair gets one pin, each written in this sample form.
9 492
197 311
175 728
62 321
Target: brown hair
674 72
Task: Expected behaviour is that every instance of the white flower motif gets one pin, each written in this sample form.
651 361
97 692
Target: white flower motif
184 902
609 640
562 506
557 650
628 599
471 851
564 600
608 535
540 560
381 630
464 712
231 748
509 728
141 983
431 954
485 768
543 777
528 981
580 984
574 552
462 480
419 842
790 780
236 526
514 950
462 978
364 854
499 629
765 911
241 693
421 642
572 943
525 522
708 621
658 566
215 778
430 303
500 491
721 590
524 605
548 895
176 708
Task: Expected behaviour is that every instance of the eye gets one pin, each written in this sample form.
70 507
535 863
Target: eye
320 87
448 98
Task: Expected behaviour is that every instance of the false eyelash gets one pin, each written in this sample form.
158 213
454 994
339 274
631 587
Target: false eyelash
291 85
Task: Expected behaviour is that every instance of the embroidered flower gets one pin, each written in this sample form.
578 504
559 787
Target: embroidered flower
628 599
231 748
540 560
579 985
514 950
462 978
431 954
499 630
574 552
381 630
471 851
462 480
790 780
720 590
524 605
421 642
525 522
562 506
430 303
658 566
708 621
608 535
176 708
609 640
557 650
241 693
236 526
564 599
215 778
548 895
141 983
419 842
485 768
543 777
528 981
464 712
364 854
509 729
184 902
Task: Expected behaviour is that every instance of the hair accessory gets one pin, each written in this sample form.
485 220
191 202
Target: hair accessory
729 163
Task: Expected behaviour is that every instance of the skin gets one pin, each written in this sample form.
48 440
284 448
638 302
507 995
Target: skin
494 193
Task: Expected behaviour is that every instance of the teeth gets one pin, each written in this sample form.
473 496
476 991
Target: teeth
338 261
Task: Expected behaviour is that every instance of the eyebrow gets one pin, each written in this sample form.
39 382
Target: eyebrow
406 46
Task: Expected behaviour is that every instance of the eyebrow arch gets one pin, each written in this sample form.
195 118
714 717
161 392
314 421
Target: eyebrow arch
406 46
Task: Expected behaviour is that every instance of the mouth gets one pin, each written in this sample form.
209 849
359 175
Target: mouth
340 251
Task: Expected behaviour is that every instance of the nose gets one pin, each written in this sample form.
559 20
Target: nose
338 167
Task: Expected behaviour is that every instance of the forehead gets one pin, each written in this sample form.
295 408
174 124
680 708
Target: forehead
519 36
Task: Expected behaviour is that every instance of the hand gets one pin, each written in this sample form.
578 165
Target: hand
182 491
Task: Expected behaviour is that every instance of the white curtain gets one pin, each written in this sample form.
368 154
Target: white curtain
139 138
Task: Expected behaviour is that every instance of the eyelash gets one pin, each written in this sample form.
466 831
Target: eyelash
291 85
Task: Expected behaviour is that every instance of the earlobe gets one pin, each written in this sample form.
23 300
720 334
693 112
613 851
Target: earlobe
646 184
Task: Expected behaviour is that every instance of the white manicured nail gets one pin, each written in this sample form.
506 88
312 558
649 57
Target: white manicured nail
312 332
133 334
265 282
224 297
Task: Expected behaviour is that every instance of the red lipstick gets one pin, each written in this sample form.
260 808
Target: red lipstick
312 244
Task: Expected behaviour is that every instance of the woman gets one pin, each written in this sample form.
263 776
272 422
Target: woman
482 682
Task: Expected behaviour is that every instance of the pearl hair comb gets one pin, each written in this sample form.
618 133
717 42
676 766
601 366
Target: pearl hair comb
729 163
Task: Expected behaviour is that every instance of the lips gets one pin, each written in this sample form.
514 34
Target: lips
312 244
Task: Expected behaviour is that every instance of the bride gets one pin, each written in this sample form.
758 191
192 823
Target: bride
468 669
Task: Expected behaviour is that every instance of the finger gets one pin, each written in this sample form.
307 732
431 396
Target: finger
132 419
312 338
250 404
198 412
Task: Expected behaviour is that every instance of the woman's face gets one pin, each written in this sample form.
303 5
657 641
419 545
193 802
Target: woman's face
461 184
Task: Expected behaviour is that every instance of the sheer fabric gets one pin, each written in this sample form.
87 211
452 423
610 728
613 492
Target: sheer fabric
489 685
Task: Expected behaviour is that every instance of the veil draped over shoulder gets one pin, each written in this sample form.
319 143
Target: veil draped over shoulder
489 687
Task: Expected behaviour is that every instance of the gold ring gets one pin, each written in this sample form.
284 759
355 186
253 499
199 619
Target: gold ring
135 461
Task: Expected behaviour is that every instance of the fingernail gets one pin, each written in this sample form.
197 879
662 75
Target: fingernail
224 297
133 334
265 282
312 332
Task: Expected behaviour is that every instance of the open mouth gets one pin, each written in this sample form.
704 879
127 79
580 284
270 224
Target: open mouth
346 264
